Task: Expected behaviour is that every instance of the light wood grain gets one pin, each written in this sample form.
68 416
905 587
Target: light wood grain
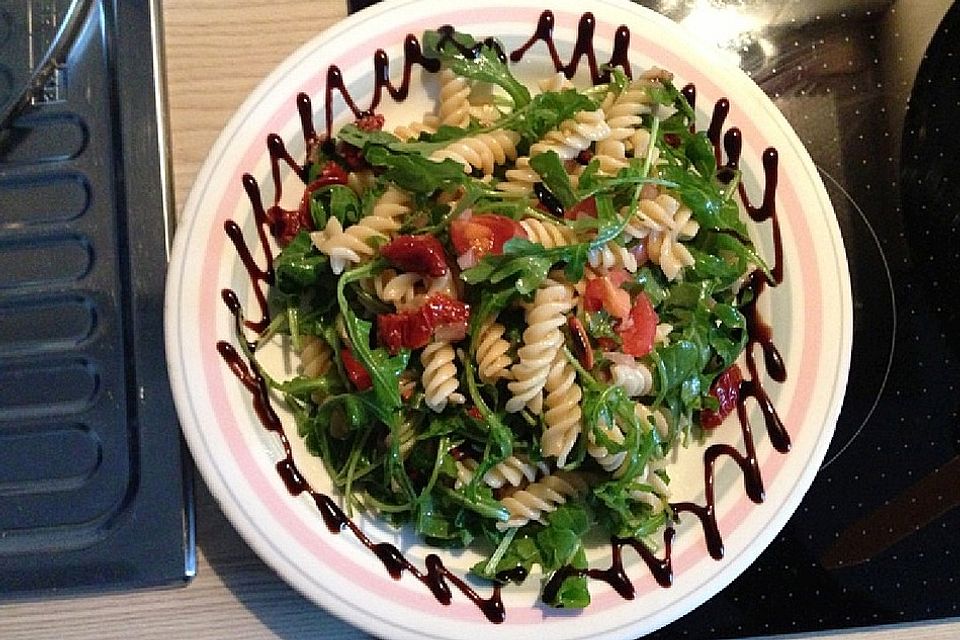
216 52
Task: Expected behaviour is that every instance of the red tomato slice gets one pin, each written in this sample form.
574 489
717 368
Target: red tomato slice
639 330
586 207
485 233
605 292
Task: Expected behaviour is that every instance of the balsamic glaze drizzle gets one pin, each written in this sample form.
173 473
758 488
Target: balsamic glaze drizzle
582 48
436 577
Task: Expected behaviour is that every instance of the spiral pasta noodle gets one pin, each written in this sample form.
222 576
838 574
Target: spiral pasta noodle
612 256
623 112
543 496
520 178
356 243
482 151
636 379
542 340
613 462
562 413
610 462
406 438
556 82
413 130
492 353
402 290
393 204
650 488
574 135
439 376
548 234
453 107
663 223
513 472
316 357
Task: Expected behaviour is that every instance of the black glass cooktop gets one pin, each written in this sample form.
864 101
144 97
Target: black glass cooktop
872 89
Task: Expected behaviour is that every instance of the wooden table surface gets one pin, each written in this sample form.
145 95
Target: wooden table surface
216 52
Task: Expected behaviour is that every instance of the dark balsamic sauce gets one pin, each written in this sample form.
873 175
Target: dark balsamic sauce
436 576
583 48
547 200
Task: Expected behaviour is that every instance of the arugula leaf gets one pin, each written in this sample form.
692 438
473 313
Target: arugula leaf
699 151
546 111
562 538
561 544
300 265
624 516
527 264
491 303
709 206
482 61
666 93
361 138
573 593
605 405
718 244
555 177
609 222
499 444
303 387
522 552
675 364
415 173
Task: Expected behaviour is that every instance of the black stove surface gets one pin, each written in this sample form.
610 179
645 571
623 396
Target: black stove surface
872 89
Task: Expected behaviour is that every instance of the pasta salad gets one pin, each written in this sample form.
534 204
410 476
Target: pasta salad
510 314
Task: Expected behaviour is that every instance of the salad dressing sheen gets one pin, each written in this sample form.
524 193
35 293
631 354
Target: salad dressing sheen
436 577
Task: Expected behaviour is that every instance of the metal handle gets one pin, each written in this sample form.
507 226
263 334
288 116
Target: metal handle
56 53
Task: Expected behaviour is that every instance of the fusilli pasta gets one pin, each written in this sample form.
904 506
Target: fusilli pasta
482 151
562 410
530 503
512 472
439 376
542 340
663 223
492 353
548 234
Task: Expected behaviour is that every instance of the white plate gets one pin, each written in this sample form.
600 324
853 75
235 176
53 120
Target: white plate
811 315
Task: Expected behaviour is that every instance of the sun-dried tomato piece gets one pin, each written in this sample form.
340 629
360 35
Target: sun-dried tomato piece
356 372
421 254
439 314
370 121
285 224
581 342
726 389
443 313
